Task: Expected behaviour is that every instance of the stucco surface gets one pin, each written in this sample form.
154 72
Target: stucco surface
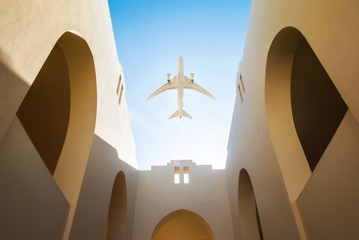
205 194
83 31
278 167
292 201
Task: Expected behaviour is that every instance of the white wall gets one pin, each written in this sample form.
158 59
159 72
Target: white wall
28 32
206 195
330 27
22 54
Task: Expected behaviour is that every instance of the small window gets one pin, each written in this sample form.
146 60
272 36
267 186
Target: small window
119 100
177 175
240 78
118 85
240 93
185 175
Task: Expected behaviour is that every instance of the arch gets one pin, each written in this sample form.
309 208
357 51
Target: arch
116 218
45 111
182 224
69 108
303 107
249 220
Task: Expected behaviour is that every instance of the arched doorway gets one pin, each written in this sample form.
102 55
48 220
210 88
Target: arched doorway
59 113
116 218
303 106
182 225
250 225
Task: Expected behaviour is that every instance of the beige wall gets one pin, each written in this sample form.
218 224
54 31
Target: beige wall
24 52
93 206
328 202
205 194
36 200
292 202
32 205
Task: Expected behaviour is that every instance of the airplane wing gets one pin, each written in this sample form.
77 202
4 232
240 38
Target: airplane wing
169 85
189 84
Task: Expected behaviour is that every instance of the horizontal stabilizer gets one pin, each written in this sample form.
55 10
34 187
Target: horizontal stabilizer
177 114
186 114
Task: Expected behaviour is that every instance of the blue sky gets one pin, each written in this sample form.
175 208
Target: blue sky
150 35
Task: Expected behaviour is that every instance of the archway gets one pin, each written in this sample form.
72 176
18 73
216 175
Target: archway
182 225
250 225
45 111
303 106
116 218
59 114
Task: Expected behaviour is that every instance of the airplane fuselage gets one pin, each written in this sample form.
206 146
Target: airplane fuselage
180 82
180 87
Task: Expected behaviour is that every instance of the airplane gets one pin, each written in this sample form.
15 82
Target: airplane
180 82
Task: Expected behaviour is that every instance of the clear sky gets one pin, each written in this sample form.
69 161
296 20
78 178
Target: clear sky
150 35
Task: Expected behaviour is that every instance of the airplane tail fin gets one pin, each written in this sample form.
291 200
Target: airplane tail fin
176 114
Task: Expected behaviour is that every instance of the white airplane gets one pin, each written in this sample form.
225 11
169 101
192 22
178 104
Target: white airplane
180 82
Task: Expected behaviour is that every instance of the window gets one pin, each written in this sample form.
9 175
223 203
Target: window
185 175
118 85
119 100
177 175
240 93
240 78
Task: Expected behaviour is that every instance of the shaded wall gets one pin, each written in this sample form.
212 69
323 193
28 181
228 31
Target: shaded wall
45 110
95 196
33 206
294 202
317 106
206 195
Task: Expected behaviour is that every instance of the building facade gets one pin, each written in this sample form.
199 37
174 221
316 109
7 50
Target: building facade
292 154
67 157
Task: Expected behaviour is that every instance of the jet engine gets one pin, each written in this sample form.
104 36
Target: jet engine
168 77
192 77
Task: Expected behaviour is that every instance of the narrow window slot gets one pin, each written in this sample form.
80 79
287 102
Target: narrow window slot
240 78
119 100
118 85
240 93
185 174
177 175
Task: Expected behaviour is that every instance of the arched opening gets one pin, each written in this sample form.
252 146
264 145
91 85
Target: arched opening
116 218
45 111
317 106
59 114
249 220
304 109
182 225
